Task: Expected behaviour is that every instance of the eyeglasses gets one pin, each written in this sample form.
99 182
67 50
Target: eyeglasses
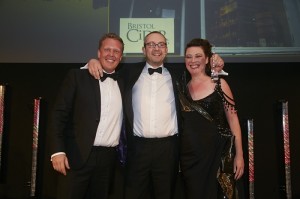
153 45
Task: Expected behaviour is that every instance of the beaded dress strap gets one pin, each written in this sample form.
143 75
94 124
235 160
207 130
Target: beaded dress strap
228 101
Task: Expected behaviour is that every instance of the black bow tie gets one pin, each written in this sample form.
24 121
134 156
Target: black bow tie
114 76
152 70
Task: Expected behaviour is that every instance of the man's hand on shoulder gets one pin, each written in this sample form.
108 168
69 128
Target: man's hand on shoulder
95 68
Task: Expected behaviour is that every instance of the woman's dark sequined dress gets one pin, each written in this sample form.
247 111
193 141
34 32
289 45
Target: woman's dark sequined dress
205 134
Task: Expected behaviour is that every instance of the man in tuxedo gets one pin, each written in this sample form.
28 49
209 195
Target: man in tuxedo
85 125
151 106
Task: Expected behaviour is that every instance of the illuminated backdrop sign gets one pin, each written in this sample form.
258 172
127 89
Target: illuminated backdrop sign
133 31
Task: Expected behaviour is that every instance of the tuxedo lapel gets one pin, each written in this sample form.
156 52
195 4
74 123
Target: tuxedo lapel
175 75
132 74
96 91
121 85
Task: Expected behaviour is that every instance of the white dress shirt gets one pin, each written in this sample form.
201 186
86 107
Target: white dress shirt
111 116
153 104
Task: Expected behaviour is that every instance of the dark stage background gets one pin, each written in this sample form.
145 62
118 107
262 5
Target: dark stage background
257 87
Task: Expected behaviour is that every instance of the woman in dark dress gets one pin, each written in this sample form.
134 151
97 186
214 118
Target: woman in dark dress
210 122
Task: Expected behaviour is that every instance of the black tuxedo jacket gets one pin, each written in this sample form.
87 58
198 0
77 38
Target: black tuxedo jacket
131 74
75 116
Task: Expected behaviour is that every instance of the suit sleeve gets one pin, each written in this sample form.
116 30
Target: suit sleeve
60 115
